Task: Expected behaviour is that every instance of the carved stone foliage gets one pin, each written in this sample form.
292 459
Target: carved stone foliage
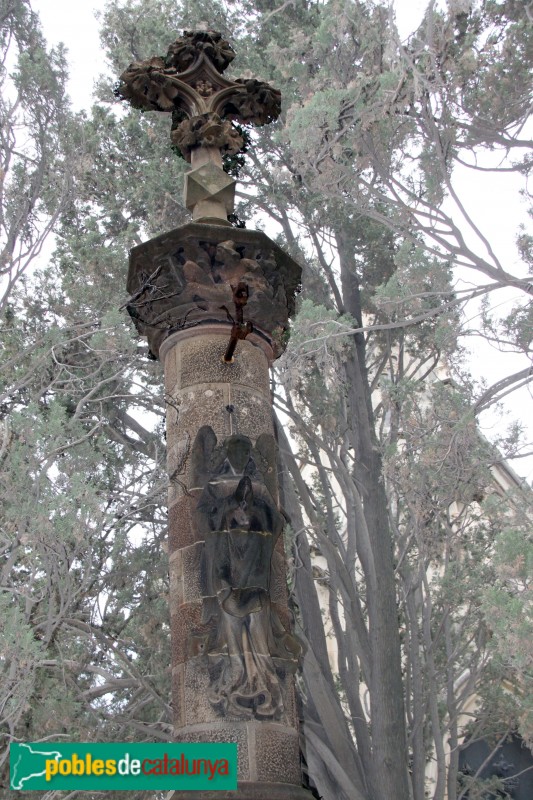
180 280
206 130
248 651
257 102
185 50
188 83
148 85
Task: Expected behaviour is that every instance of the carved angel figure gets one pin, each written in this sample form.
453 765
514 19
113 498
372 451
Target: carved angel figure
241 524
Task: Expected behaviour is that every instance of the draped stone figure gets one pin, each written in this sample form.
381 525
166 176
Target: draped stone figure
249 651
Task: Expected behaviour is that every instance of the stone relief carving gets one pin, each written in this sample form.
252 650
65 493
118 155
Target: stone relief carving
253 101
248 650
185 50
192 282
206 130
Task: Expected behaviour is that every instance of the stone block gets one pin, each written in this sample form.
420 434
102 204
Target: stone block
175 566
189 632
204 404
201 362
277 754
178 451
180 525
252 413
290 716
219 733
194 582
176 490
178 696
198 709
171 372
209 182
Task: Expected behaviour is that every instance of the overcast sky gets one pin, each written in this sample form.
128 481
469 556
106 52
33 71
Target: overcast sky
493 203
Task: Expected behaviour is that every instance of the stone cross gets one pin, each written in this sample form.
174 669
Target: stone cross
188 83
214 302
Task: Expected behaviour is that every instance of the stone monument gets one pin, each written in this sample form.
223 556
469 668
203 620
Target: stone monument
214 302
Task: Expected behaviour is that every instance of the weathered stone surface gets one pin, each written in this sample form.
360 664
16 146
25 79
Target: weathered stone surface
196 686
171 372
290 717
172 404
178 695
252 413
183 278
201 362
180 526
209 182
236 732
176 490
178 451
203 404
189 632
277 754
194 578
175 565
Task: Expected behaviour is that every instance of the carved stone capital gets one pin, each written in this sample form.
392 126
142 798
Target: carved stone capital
206 130
188 277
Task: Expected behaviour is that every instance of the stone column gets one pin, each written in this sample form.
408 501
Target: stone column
195 290
214 302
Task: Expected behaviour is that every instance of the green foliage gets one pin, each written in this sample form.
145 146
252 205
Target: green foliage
319 343
317 327
81 480
38 159
507 606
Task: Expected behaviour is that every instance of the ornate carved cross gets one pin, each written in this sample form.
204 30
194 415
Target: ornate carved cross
188 83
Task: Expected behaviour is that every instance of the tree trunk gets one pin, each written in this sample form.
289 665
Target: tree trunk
388 769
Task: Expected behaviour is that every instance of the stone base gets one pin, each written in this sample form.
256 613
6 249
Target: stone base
248 790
